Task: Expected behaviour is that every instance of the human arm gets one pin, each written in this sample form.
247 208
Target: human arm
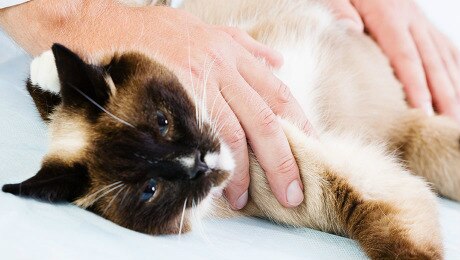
183 43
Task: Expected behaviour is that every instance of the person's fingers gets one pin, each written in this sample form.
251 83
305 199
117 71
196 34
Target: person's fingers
274 91
454 51
455 54
233 135
397 43
442 90
444 48
274 58
268 141
345 11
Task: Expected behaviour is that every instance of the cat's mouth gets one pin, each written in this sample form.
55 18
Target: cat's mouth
217 181
219 168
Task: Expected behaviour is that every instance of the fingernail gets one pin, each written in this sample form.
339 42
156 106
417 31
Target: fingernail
294 193
353 25
242 200
428 108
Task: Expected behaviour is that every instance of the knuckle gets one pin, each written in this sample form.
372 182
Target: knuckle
418 93
215 53
194 71
287 166
266 119
235 32
237 139
223 34
240 33
241 180
434 63
407 55
283 94
192 68
306 126
449 101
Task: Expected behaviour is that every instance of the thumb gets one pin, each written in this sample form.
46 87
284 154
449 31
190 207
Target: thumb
346 12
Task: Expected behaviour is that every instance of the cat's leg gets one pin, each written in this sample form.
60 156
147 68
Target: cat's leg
358 191
430 146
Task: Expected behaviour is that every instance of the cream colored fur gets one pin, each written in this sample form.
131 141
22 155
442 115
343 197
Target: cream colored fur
359 175
348 90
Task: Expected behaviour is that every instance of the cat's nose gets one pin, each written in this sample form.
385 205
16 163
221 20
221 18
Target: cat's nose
199 168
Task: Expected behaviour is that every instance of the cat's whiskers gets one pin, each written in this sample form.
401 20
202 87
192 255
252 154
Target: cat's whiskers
105 193
190 69
150 161
101 107
181 224
104 188
221 110
203 97
121 188
127 188
214 121
199 102
197 221
219 129
89 200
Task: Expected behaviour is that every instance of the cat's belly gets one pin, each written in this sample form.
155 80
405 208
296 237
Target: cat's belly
300 74
342 81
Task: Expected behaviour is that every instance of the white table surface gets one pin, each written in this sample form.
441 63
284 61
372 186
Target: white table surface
33 230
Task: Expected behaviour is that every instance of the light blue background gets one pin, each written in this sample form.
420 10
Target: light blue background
33 230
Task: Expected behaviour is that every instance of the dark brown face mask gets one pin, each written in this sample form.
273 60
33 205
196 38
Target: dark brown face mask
145 160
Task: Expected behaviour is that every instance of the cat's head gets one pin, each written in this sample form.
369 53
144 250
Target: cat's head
129 144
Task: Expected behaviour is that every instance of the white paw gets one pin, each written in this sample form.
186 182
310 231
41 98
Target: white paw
43 72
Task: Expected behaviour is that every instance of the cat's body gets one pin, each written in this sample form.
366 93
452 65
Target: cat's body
354 172
348 91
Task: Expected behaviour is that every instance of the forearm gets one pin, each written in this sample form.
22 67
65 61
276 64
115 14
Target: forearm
82 25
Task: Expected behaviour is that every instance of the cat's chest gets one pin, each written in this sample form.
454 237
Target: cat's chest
300 72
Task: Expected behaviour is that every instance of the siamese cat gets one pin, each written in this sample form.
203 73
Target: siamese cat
130 144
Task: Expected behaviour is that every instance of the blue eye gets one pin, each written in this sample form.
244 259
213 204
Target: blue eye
149 190
163 124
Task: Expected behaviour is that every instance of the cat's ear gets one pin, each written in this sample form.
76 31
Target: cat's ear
123 67
81 83
55 182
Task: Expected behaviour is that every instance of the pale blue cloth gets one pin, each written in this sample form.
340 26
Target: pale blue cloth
34 230
8 3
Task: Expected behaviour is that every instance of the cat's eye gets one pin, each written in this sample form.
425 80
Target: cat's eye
149 190
163 124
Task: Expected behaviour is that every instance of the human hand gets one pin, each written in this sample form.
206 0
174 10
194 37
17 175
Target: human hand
216 63
424 60
243 97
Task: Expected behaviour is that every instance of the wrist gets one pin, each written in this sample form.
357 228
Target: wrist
37 24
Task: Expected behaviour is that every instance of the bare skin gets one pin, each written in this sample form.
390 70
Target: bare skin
246 94
424 59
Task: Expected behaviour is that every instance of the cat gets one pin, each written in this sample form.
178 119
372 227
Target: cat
130 144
